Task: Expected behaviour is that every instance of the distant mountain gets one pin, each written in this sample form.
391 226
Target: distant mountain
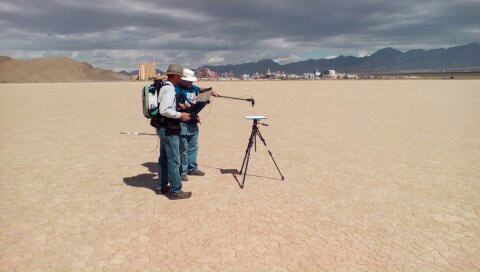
132 73
56 69
385 60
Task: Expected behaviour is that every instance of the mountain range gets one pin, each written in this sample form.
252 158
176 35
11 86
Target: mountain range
386 60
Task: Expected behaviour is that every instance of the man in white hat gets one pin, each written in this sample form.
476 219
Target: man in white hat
187 98
169 133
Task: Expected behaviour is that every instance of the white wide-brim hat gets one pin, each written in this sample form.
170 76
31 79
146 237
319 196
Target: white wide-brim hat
189 75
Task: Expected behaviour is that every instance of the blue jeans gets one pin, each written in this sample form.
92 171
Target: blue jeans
188 148
169 161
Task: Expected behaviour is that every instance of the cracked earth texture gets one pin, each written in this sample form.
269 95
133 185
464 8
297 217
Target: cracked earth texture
380 176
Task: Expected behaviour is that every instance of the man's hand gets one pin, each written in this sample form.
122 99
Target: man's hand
214 93
185 117
183 106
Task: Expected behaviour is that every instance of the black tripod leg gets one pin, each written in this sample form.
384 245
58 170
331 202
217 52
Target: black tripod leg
246 167
249 146
270 153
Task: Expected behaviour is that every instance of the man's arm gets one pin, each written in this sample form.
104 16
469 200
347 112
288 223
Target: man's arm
209 89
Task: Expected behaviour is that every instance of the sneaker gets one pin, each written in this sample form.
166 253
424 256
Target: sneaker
163 190
179 195
197 173
184 178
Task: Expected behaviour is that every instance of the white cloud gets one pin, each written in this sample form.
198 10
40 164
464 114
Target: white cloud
291 58
362 53
118 34
215 60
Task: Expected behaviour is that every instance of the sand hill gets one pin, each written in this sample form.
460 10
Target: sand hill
55 69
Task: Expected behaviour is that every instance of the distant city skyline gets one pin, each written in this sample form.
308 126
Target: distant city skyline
119 35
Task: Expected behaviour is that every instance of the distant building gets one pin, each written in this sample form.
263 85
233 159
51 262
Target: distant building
147 71
309 75
228 75
350 76
245 77
280 75
329 74
268 75
205 73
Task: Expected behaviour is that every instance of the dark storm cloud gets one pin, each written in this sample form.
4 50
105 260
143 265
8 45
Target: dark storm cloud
208 31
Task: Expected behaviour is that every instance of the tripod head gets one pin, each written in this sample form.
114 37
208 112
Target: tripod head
256 119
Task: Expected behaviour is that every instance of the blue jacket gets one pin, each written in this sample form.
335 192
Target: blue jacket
187 96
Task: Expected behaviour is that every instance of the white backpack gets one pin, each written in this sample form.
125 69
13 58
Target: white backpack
150 99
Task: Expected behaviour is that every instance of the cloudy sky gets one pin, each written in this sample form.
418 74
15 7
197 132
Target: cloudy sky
118 34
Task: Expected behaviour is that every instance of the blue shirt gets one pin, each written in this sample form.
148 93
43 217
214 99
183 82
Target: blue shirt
187 96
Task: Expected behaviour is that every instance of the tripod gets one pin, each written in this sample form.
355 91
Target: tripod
253 141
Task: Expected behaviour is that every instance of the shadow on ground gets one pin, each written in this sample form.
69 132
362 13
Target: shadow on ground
235 173
149 180
146 180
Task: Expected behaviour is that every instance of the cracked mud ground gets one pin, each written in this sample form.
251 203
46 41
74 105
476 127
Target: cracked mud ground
380 175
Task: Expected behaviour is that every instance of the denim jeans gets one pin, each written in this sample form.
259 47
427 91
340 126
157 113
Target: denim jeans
169 161
188 148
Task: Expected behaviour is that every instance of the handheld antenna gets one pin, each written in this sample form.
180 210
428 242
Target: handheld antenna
251 100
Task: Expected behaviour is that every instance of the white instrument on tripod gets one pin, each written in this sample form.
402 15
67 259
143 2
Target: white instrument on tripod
254 117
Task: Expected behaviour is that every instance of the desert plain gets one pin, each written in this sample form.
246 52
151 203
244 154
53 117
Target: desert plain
379 176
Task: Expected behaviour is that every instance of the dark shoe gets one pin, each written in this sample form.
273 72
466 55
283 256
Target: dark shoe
163 190
179 195
197 173
184 178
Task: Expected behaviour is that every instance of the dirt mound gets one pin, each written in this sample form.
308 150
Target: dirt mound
56 69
